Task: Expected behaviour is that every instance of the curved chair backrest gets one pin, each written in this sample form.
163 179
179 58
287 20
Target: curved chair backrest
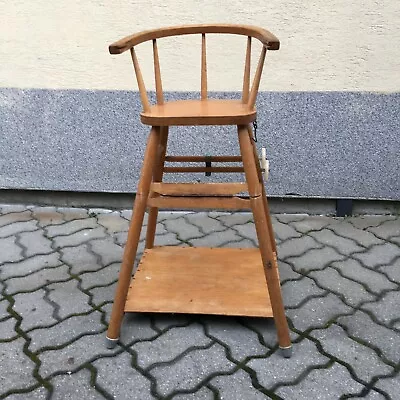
268 40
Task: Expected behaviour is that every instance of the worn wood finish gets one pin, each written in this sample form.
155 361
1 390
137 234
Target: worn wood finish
157 177
203 67
246 76
265 37
203 169
187 203
133 234
257 79
157 74
197 189
203 159
199 112
200 281
142 89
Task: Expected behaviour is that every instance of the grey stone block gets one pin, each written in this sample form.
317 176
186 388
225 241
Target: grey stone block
80 259
387 229
329 383
352 292
341 244
285 231
191 370
70 213
241 341
74 386
7 329
244 243
183 229
10 251
107 250
35 243
102 277
317 312
38 279
16 367
363 360
201 394
17 227
71 357
28 266
113 222
389 385
392 270
288 218
286 272
386 310
79 237
236 386
65 331
315 259
38 394
216 239
71 227
231 219
247 231
117 377
206 222
34 309
10 217
312 223
170 345
47 216
135 327
383 254
297 246
103 294
276 370
352 269
368 221
165 321
361 326
372 395
4 304
296 292
62 293
13 208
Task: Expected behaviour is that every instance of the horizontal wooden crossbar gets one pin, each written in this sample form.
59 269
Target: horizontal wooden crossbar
203 169
223 203
203 158
198 189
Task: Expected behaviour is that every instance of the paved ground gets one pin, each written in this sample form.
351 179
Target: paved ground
58 267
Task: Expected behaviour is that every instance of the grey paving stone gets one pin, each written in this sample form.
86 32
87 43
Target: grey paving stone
120 238
395 239
312 223
276 370
362 237
102 277
7 329
12 208
170 345
341 244
206 222
165 321
117 376
103 294
390 385
216 239
286 272
107 250
247 231
11 217
16 368
69 358
367 221
80 259
285 231
62 293
237 386
289 218
182 228
392 270
99 211
18 227
38 279
244 243
74 386
135 327
29 266
33 309
387 229
65 331
361 326
378 255
4 304
231 219
353 293
315 259
40 393
297 246
241 341
71 227
113 222
201 394
10 251
296 292
47 216
160 230
352 269
372 395
72 213
35 243
329 383
317 312
386 310
79 237
170 239
127 214
191 370
364 361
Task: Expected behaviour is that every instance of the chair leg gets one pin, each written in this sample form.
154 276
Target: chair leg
157 177
267 254
264 194
131 246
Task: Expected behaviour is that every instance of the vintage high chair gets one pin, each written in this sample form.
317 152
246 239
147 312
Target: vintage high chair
223 281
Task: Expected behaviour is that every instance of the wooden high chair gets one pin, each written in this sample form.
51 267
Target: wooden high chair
223 281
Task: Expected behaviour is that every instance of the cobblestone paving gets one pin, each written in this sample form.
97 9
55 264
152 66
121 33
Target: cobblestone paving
58 268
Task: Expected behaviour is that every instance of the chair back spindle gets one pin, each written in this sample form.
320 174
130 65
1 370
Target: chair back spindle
139 78
203 67
256 82
246 76
157 74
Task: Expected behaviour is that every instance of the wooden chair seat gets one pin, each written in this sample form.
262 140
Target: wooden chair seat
199 112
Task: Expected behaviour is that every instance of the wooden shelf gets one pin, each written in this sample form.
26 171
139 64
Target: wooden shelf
222 281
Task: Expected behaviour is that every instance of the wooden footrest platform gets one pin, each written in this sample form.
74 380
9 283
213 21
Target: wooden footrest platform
200 280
